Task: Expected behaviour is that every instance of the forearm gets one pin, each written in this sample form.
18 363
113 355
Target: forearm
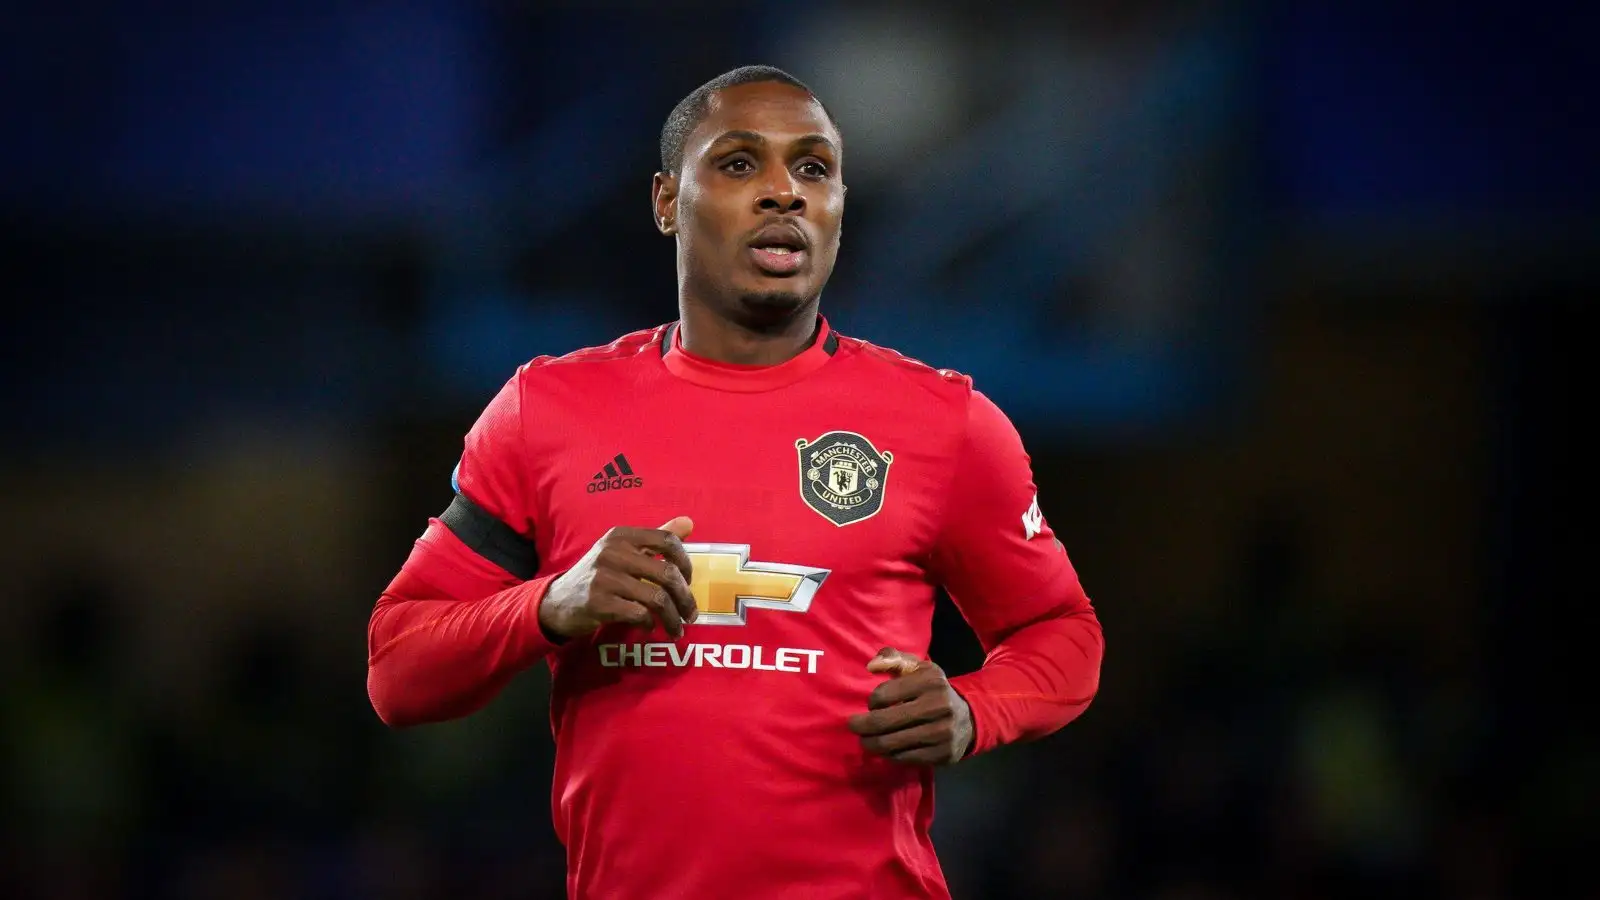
431 658
1035 680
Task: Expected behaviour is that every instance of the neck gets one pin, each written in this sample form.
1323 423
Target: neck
712 335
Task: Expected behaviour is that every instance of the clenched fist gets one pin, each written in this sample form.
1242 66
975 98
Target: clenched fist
915 717
632 576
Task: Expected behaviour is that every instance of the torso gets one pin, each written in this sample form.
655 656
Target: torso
807 561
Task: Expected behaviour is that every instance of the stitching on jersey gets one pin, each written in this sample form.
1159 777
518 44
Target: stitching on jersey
617 351
1047 698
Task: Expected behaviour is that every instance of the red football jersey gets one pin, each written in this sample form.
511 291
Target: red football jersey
830 494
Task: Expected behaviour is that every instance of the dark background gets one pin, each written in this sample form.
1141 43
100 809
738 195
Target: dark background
1287 301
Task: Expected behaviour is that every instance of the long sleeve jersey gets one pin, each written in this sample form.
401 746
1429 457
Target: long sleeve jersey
831 494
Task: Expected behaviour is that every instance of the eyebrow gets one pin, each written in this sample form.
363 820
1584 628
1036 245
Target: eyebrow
756 138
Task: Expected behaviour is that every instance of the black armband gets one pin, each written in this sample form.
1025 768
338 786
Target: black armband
491 538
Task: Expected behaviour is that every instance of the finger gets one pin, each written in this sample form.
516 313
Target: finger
680 526
652 597
937 755
905 688
678 590
662 542
656 598
616 610
932 734
921 711
675 529
663 573
636 538
672 550
893 662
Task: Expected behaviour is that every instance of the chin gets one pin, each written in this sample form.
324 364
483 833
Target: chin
770 308
774 300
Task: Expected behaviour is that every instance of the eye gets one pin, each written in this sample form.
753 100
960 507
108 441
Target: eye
737 165
813 168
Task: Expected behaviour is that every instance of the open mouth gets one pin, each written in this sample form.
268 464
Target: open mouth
779 249
777 259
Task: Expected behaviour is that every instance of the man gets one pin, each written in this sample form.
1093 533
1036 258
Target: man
740 699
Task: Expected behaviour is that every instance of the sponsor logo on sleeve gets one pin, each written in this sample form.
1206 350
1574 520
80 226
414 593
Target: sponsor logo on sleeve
1032 520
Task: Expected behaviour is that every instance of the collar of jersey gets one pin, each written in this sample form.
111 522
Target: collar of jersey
749 379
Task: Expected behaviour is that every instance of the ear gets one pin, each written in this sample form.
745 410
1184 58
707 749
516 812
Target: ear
664 202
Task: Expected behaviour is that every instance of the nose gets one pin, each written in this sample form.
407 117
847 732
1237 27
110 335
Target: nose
779 197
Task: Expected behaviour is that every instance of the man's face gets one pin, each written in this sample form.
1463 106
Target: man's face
757 203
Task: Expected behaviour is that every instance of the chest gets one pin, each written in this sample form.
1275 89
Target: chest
845 486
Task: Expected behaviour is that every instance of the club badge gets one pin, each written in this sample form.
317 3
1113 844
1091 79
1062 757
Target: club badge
842 476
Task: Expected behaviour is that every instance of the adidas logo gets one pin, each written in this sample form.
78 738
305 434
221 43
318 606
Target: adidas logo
616 476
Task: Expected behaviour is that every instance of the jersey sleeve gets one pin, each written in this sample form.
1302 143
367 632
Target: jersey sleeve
461 617
1015 585
493 470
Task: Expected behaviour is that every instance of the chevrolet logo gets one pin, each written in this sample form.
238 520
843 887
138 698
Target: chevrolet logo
726 584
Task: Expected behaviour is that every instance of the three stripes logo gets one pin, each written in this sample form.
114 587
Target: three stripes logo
616 476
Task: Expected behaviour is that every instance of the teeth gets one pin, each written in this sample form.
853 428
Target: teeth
779 250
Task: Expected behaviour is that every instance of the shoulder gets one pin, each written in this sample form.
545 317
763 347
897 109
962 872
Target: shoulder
625 348
941 385
556 388
582 367
952 394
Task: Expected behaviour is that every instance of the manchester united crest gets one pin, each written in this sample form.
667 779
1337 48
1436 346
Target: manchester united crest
842 476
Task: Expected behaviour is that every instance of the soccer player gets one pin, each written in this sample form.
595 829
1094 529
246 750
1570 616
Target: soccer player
741 700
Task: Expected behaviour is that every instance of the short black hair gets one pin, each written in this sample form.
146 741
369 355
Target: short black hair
692 109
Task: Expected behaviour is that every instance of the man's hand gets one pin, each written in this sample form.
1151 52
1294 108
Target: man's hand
915 717
631 576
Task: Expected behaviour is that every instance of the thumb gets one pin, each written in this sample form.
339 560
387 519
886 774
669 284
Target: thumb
680 526
893 662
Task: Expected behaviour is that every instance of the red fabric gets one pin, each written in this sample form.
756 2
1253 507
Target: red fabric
720 764
1017 589
432 656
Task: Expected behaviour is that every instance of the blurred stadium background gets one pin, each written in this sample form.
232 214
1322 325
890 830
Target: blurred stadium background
1286 298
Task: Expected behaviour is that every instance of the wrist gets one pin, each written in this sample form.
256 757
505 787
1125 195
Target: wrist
547 615
966 726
